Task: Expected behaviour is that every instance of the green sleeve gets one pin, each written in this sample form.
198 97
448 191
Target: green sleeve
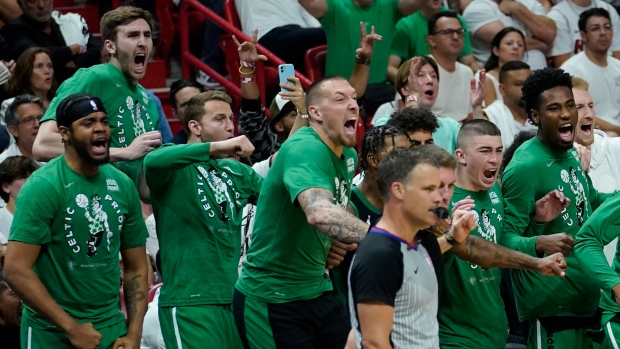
35 211
328 19
518 192
599 230
466 41
160 164
307 166
357 213
134 231
402 40
83 81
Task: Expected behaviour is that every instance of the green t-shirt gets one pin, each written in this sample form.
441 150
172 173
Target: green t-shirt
81 224
287 257
410 33
534 171
472 310
130 110
600 229
342 28
198 221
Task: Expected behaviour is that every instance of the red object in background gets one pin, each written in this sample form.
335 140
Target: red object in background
152 292
315 62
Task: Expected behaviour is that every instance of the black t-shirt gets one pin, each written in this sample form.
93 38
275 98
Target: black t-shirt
9 337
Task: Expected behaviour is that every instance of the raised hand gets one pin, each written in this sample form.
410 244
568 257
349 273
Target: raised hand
477 92
584 156
550 206
247 50
233 147
295 94
367 42
462 223
553 265
143 144
413 84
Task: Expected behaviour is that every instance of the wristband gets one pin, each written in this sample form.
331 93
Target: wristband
450 239
247 64
245 80
302 115
361 60
249 73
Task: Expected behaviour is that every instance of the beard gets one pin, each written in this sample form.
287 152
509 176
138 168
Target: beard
81 148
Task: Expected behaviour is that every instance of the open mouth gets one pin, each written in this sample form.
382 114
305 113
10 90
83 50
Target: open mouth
586 129
429 93
140 61
490 174
566 132
349 126
100 146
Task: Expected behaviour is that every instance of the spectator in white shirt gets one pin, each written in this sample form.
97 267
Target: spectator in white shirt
567 41
597 68
485 18
22 119
13 174
508 114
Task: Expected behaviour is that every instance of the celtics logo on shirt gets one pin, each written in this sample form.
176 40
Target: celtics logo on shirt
341 197
219 188
570 177
485 227
98 222
136 116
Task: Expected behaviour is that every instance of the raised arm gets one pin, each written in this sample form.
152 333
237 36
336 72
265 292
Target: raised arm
330 219
491 255
19 274
361 71
317 8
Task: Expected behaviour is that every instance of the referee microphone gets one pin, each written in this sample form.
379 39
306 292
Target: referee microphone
441 212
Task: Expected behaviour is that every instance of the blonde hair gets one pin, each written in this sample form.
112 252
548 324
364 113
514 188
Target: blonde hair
580 84
195 108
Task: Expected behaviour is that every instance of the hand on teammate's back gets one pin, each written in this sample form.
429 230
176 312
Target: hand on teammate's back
550 244
233 147
84 336
143 144
553 265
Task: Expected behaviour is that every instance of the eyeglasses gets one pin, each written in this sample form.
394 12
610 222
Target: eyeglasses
29 121
597 28
451 32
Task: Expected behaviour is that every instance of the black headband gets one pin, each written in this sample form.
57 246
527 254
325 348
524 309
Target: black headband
78 110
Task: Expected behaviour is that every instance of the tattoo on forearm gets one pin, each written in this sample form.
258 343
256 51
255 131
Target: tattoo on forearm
133 295
332 220
491 255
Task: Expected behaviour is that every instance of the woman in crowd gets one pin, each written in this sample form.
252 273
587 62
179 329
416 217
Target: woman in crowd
33 74
507 45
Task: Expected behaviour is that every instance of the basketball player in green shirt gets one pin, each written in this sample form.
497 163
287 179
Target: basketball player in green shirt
73 216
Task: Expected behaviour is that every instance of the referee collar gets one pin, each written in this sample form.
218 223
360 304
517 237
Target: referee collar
376 230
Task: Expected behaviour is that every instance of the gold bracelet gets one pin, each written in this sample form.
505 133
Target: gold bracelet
250 73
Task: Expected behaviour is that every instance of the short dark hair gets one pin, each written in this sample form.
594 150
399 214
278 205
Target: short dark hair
398 165
540 81
511 66
374 140
414 119
477 127
122 15
493 61
12 116
593 12
432 23
195 109
315 89
180 84
520 138
15 167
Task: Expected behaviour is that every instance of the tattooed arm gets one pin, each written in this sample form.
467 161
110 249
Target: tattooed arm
490 255
135 289
330 219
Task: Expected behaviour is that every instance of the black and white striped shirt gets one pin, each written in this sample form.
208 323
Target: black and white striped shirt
388 269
